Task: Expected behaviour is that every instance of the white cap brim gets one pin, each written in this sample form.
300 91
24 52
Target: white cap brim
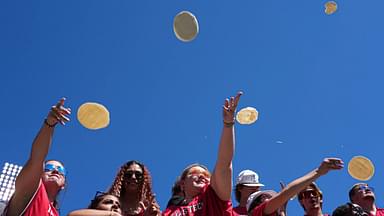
254 185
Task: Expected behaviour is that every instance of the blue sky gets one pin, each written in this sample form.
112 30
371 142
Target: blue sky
315 79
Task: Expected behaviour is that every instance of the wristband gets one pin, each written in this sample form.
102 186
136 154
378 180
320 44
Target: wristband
49 125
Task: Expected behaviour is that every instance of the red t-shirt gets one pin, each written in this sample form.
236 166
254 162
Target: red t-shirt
40 204
240 211
205 204
379 212
258 211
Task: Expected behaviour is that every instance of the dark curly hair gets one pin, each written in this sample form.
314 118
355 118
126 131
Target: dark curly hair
145 193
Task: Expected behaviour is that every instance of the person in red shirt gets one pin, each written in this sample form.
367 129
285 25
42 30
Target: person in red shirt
311 199
270 203
40 181
247 182
205 194
364 196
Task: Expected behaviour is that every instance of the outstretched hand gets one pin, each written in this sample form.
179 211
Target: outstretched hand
58 113
229 109
330 164
152 209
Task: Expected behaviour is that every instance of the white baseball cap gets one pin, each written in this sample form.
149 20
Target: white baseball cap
255 195
248 178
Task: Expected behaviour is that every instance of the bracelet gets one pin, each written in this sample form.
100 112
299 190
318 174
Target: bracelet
49 125
228 124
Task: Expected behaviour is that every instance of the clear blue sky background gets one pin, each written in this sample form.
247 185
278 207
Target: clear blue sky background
316 80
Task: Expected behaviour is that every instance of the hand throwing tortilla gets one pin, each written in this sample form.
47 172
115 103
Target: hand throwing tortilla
330 7
185 26
361 168
247 115
93 116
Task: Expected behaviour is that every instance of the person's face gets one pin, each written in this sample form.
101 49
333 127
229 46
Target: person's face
245 191
109 203
133 177
363 192
195 181
310 199
261 199
54 174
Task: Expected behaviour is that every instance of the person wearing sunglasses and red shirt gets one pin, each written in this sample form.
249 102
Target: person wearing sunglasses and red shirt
39 182
311 199
207 194
271 202
364 196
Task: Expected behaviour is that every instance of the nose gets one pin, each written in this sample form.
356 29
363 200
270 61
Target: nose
55 171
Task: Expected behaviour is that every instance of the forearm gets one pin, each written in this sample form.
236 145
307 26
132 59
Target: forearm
41 143
222 174
226 148
290 190
93 212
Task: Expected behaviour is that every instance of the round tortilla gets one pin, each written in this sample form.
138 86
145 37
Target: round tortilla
185 26
93 116
247 115
361 168
330 7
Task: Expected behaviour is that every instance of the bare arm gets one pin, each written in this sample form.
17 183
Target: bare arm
28 180
221 180
299 184
93 212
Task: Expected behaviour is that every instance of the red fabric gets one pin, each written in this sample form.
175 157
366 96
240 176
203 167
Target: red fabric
240 211
379 212
205 204
40 204
258 211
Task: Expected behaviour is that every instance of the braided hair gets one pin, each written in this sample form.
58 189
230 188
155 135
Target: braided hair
144 192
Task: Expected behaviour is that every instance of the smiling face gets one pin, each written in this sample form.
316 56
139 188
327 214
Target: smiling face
133 177
194 181
109 203
54 174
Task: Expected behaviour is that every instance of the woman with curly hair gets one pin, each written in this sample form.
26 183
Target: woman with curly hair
133 186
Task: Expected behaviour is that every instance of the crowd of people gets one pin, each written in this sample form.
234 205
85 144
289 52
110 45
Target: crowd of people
196 192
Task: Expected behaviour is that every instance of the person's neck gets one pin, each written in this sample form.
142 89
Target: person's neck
368 206
243 202
130 204
52 193
314 212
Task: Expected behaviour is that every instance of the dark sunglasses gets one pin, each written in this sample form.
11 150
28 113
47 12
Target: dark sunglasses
308 194
129 174
365 187
51 167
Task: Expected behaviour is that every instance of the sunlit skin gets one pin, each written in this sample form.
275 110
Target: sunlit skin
195 181
311 201
245 192
53 177
109 203
131 183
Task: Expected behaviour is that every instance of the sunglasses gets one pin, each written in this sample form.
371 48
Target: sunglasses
308 194
129 174
365 187
51 167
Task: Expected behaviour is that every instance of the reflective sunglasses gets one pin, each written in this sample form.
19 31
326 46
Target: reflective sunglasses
129 174
51 167
308 194
365 187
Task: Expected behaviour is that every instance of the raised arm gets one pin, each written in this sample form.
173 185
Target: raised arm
28 180
221 179
93 212
299 184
